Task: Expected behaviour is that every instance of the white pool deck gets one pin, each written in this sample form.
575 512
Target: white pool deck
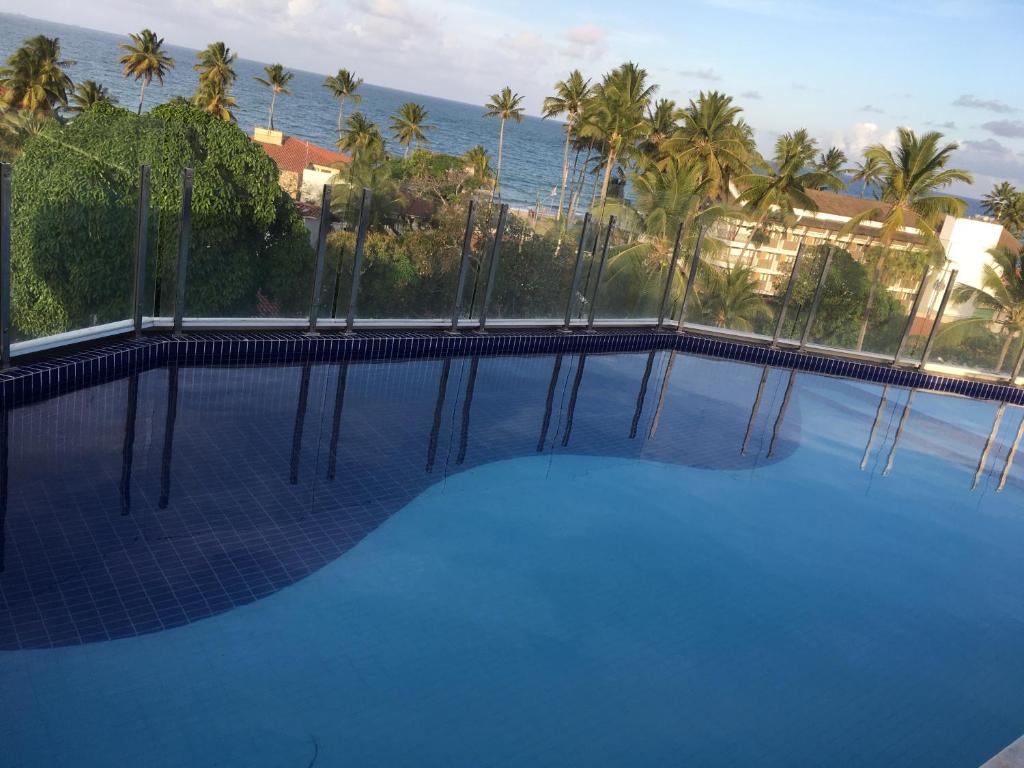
1011 757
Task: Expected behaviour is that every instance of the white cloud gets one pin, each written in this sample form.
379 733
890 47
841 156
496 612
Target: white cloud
586 42
855 139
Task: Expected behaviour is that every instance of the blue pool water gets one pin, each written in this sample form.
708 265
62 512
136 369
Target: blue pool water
602 560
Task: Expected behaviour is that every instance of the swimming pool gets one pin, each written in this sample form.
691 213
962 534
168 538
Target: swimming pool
646 557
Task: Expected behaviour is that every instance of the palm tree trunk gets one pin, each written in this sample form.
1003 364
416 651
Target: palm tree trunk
142 95
607 172
572 184
565 172
867 309
273 98
341 110
497 173
578 193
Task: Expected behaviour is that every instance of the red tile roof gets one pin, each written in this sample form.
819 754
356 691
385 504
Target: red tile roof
297 155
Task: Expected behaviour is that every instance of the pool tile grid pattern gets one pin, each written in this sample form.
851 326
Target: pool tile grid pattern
26 383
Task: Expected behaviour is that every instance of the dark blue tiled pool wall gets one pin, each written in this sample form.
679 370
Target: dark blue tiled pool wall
27 383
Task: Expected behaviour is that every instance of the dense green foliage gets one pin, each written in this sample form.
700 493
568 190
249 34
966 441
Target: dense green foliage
74 219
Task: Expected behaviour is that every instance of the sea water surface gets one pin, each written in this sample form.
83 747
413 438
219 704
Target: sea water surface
640 559
532 158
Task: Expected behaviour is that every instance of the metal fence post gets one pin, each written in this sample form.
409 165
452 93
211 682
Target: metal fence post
671 276
492 269
914 307
818 293
691 278
184 240
1017 365
577 274
600 271
141 236
357 263
938 318
789 293
5 265
467 251
321 250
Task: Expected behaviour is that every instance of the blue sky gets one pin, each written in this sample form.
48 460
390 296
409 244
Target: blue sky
849 72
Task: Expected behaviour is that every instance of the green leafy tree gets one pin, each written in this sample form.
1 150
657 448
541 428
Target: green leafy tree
1000 299
361 137
88 93
570 98
479 161
1006 205
343 86
145 60
277 80
213 97
74 221
714 137
34 78
729 298
506 106
619 110
832 165
913 176
662 122
869 173
410 124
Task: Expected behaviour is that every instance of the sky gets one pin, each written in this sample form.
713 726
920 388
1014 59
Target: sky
849 72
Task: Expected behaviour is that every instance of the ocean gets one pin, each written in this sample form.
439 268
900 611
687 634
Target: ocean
532 157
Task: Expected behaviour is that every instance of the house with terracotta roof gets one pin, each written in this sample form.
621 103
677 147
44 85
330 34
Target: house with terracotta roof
305 167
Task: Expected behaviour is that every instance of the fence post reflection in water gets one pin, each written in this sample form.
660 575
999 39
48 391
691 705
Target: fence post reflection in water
661 395
357 260
339 405
819 291
789 293
577 273
128 445
904 417
691 279
600 271
983 458
141 237
874 426
184 240
670 277
782 414
571 412
435 429
169 422
5 427
467 407
321 249
914 307
300 422
1010 454
492 266
467 252
549 402
754 409
642 394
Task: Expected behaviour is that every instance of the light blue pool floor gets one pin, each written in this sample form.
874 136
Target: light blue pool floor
560 609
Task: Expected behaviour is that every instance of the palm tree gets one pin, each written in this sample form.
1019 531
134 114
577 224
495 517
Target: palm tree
570 98
144 59
409 124
1003 204
86 94
343 86
361 137
216 64
479 162
277 80
1001 294
661 122
868 173
911 179
729 298
34 78
832 165
620 106
505 105
713 136
213 97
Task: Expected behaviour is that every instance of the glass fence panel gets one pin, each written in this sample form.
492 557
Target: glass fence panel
252 251
538 256
484 230
74 218
977 330
635 269
928 306
411 259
